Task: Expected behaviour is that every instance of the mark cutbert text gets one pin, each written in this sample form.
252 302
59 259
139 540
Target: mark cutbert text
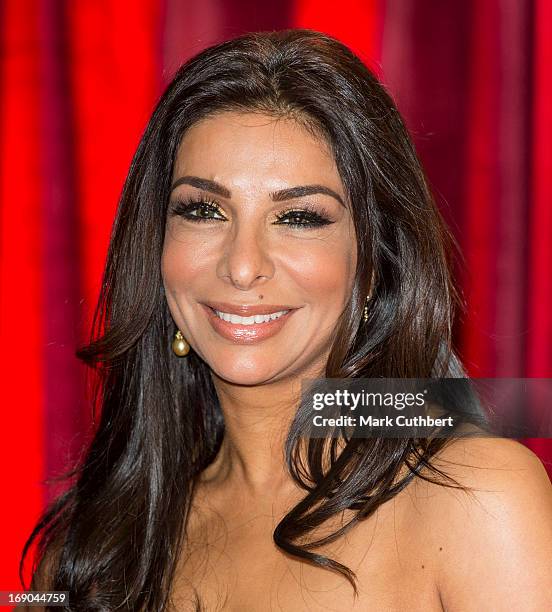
387 421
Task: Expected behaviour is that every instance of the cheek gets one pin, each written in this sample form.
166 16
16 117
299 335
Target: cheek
324 272
181 263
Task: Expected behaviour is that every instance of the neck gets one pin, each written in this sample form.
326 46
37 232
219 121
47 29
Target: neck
257 420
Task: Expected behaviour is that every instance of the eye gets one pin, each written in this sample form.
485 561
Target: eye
205 209
307 217
197 210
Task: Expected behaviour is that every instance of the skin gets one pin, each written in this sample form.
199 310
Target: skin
417 551
252 257
430 548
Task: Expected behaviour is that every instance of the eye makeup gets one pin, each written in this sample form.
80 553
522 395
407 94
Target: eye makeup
205 209
185 207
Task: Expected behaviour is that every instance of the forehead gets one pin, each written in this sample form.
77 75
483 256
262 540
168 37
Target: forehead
253 146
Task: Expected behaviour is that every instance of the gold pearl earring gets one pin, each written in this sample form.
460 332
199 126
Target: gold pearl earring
179 346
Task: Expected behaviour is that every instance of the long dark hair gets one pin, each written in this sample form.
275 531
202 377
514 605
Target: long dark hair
161 422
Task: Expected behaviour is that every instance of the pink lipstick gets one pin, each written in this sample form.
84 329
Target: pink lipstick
247 332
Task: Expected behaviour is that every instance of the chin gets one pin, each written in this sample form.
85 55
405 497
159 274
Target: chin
246 371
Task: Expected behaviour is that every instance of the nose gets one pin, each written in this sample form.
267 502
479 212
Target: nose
246 261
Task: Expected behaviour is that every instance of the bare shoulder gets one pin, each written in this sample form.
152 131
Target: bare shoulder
496 536
488 452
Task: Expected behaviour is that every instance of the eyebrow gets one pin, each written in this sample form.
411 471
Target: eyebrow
277 196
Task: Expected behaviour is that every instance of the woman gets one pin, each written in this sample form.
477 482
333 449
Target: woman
276 226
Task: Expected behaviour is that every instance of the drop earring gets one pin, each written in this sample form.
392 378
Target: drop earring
179 346
365 314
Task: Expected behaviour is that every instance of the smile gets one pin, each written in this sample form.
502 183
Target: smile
247 330
237 319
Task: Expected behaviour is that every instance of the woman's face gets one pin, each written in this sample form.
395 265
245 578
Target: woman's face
257 223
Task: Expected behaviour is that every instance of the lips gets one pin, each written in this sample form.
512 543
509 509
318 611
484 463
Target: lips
246 334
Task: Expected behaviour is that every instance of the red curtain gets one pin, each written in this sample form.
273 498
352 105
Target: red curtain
78 81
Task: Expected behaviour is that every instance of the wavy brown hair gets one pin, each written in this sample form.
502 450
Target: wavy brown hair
161 423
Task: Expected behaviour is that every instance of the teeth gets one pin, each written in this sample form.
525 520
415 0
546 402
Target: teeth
232 318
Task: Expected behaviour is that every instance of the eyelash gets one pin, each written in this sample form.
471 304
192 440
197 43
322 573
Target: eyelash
316 216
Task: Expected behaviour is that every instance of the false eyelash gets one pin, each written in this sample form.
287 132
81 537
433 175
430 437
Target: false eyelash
183 207
318 216
313 215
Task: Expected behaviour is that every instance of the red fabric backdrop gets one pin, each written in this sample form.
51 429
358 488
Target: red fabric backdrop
78 81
